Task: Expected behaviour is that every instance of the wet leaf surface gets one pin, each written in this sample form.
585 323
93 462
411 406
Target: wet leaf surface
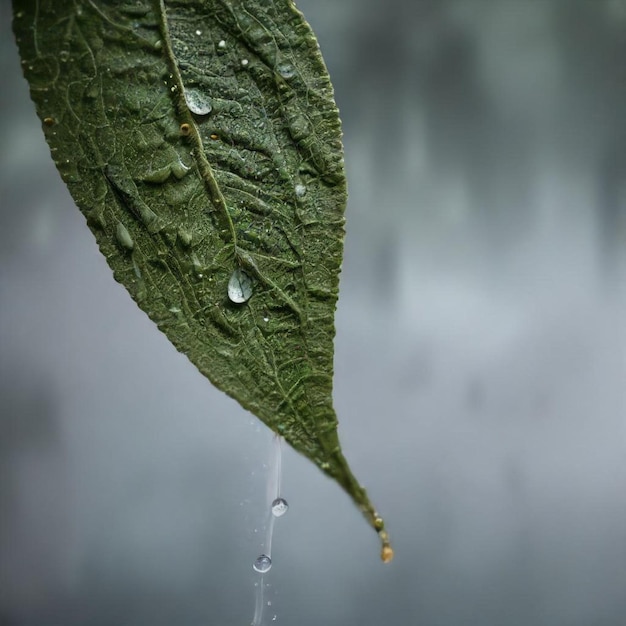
201 141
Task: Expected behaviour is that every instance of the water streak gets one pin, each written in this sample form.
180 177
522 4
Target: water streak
274 475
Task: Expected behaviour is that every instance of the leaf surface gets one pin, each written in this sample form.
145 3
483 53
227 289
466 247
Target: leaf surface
201 141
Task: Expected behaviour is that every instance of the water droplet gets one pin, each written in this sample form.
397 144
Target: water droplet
299 126
198 103
158 176
198 32
123 237
387 554
244 62
221 44
179 169
239 287
184 236
266 319
279 507
286 70
262 564
300 190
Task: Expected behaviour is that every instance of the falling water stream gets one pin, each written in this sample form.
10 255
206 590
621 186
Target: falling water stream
277 508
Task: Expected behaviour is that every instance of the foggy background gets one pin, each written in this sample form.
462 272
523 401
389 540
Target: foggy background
480 356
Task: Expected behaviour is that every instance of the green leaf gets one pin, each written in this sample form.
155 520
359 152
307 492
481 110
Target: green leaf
202 143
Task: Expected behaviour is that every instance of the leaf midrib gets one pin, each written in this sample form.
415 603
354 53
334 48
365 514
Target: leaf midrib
204 167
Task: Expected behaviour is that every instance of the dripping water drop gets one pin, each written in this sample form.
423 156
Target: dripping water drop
239 287
198 103
279 507
262 564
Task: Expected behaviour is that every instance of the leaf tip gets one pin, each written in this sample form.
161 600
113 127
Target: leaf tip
386 553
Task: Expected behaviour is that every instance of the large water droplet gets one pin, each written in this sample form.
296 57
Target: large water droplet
239 287
279 507
198 102
262 564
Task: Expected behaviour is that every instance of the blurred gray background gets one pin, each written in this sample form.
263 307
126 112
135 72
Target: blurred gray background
480 356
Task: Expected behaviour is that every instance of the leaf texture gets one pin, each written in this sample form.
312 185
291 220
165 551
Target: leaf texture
201 141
